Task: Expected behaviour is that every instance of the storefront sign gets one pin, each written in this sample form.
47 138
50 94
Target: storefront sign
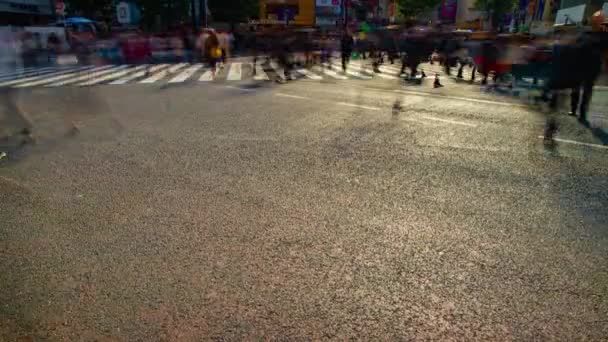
570 16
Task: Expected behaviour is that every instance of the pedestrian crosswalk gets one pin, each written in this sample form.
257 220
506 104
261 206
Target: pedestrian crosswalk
191 72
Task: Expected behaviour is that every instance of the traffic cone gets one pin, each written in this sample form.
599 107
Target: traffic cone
436 83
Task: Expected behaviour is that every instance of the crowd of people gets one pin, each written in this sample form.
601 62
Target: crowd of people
562 61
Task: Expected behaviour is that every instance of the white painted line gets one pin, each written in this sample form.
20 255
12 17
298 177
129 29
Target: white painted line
207 76
63 71
238 88
260 74
26 73
176 67
163 73
449 121
235 73
87 76
139 74
309 74
381 75
292 96
353 73
419 121
62 77
566 141
112 76
331 73
277 70
357 106
186 74
468 99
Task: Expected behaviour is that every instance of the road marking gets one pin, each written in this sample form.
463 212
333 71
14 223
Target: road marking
139 74
566 141
38 77
449 121
26 73
357 106
87 76
276 69
176 67
260 74
112 76
186 74
468 99
163 73
331 73
19 71
352 73
360 68
292 96
62 77
309 74
206 76
235 73
238 88
419 121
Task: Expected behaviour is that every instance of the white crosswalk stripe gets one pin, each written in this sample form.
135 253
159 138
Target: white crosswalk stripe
182 72
235 73
186 74
29 72
260 74
112 76
140 74
61 77
163 73
207 76
38 77
359 68
390 70
309 74
352 72
18 71
87 76
331 73
277 70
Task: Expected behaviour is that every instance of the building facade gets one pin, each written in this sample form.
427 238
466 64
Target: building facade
298 12
26 12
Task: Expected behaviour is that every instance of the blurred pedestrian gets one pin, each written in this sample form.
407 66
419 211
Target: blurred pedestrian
213 51
53 46
200 44
347 44
224 45
17 123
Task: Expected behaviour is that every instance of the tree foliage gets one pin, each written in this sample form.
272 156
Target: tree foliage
411 8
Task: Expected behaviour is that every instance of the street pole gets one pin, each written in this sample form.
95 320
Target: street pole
345 12
205 9
202 8
194 16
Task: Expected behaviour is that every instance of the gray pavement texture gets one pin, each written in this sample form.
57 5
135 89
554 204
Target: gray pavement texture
302 211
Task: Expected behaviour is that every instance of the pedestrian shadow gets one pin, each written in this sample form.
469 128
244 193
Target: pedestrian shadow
600 134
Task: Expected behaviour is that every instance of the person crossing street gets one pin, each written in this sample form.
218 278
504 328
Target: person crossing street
347 44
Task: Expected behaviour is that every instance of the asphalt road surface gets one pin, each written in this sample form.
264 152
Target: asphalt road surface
310 210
